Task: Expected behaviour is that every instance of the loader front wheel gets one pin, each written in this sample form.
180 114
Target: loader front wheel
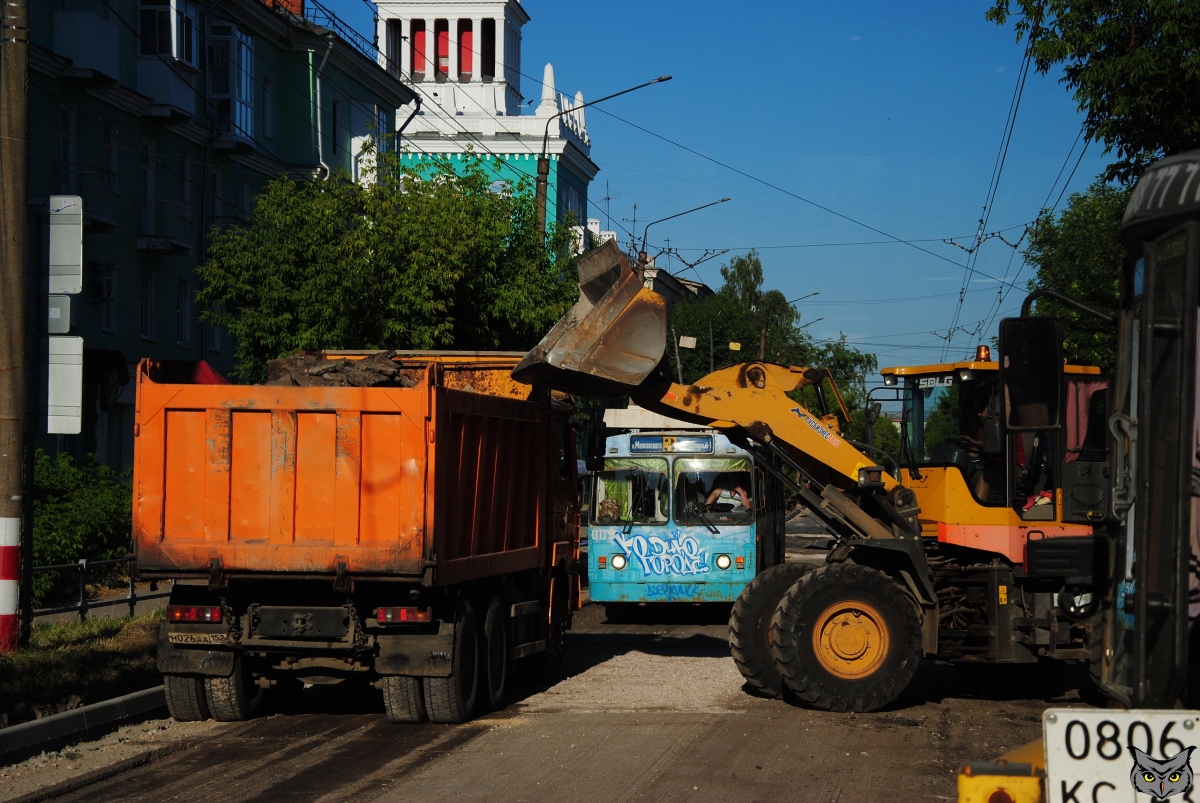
846 638
750 626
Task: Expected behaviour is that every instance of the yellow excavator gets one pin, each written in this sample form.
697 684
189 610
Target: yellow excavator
976 544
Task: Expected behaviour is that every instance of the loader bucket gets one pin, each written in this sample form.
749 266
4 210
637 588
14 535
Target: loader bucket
612 339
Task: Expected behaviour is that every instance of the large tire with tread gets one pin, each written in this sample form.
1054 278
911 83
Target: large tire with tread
404 699
846 638
235 698
494 650
185 698
452 699
750 626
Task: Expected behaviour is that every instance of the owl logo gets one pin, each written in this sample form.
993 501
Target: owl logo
1161 779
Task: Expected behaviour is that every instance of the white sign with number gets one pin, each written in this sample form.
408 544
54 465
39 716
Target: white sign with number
1088 759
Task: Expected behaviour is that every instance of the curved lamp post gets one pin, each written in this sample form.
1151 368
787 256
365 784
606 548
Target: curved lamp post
543 165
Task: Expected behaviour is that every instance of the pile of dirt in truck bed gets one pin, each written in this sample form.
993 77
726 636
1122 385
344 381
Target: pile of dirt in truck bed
311 370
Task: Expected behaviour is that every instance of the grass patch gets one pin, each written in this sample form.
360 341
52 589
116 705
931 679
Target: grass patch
69 664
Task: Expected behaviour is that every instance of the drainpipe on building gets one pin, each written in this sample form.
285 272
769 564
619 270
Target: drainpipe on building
400 129
320 134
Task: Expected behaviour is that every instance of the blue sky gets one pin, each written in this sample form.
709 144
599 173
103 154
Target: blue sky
888 114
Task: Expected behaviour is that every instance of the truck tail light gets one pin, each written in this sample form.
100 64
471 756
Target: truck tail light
193 613
396 616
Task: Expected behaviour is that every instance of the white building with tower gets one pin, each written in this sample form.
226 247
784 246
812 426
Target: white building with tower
463 58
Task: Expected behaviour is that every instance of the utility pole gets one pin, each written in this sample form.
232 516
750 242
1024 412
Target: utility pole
16 544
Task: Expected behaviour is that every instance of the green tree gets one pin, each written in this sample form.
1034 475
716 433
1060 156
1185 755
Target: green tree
767 328
80 510
406 259
1134 66
760 322
1080 254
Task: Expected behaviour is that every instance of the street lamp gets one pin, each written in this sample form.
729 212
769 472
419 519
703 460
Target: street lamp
642 253
801 298
543 165
810 323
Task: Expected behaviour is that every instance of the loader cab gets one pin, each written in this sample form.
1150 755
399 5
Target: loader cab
953 434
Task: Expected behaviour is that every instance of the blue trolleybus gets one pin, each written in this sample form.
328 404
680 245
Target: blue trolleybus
678 514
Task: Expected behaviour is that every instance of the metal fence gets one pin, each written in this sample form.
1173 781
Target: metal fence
83 566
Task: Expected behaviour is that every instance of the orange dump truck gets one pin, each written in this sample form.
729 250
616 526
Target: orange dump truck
423 537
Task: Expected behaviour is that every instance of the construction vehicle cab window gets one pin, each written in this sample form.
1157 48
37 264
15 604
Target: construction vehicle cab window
951 419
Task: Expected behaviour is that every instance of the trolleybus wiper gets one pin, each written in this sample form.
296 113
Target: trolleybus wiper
694 508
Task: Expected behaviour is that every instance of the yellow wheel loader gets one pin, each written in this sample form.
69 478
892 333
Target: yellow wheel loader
976 546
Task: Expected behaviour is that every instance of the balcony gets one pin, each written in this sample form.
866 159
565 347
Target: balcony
90 42
170 85
98 189
167 227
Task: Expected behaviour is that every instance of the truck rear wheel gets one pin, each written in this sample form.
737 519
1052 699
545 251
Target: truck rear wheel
235 698
846 638
451 700
495 646
404 699
750 626
185 698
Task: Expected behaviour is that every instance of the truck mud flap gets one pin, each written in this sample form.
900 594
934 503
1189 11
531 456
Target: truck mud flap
174 660
427 655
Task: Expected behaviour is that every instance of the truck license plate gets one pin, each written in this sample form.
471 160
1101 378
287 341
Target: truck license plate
1088 757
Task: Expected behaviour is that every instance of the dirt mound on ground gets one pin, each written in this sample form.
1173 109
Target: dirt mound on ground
311 370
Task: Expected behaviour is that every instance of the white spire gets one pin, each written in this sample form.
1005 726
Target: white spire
549 104
579 110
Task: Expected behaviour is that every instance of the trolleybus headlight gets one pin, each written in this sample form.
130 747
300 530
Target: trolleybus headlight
723 562
618 561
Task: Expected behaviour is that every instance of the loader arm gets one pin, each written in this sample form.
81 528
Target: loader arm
753 397
613 342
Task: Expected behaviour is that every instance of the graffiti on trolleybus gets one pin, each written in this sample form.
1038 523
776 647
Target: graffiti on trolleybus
657 556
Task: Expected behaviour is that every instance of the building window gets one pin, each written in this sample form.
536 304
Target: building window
268 109
214 338
148 306
333 127
66 149
243 199
382 129
169 29
185 185
183 314
214 193
418 47
231 79
149 208
105 291
110 157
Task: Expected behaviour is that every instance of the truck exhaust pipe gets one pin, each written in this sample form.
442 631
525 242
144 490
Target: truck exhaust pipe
610 341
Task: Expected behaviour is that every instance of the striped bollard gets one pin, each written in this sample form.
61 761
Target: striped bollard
10 573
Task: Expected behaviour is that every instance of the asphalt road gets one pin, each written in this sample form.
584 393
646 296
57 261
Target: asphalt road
651 709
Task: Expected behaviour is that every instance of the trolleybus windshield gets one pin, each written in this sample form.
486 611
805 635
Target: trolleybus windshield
711 490
632 490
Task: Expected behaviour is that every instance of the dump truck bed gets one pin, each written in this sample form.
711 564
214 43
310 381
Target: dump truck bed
444 481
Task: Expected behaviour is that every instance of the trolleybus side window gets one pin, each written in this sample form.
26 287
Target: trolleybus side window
632 490
725 481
